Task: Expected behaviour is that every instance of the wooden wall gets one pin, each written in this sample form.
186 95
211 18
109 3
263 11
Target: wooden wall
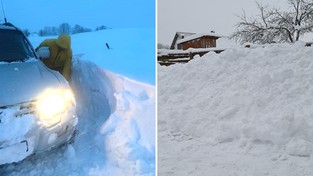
202 42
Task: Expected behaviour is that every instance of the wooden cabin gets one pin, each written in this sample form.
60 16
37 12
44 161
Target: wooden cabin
179 36
183 40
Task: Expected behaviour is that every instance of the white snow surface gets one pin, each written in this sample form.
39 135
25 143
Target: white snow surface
116 122
242 112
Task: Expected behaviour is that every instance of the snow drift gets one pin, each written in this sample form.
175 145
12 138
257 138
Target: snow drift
223 107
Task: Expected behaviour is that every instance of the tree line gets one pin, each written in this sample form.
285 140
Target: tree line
64 28
273 25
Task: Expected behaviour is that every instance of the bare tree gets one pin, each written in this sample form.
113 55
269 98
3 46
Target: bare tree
64 28
273 25
162 46
26 32
80 29
48 31
102 27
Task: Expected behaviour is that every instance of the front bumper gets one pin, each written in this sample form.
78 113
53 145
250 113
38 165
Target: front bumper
17 152
57 135
38 138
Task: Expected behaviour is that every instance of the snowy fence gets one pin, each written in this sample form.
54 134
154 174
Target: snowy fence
169 57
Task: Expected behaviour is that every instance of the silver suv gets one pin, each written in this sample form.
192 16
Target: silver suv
37 106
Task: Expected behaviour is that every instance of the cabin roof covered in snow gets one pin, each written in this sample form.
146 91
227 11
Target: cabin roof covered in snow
179 34
195 36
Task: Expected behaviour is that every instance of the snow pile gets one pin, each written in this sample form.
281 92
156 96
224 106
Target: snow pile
239 101
133 120
128 133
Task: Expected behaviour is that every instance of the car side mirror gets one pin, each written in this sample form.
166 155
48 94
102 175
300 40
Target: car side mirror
43 52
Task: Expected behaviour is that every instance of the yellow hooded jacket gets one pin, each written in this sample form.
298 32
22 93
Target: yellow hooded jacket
60 54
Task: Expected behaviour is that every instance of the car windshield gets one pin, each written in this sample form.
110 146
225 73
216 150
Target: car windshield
14 46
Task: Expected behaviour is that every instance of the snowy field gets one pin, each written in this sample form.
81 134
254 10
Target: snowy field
115 94
239 113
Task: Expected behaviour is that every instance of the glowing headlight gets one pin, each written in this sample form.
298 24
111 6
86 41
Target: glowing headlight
52 103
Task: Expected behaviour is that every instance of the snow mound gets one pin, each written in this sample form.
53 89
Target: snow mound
260 96
130 130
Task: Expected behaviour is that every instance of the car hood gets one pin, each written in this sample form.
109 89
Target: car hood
24 81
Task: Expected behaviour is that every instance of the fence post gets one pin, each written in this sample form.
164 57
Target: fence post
190 55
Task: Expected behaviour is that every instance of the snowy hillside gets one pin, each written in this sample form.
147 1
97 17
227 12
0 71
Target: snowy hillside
116 116
241 112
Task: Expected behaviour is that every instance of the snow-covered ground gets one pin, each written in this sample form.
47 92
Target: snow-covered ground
116 114
246 111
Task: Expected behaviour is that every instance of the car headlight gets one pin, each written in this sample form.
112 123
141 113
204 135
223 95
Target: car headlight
52 103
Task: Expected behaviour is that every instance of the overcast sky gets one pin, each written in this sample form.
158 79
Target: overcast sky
35 14
201 16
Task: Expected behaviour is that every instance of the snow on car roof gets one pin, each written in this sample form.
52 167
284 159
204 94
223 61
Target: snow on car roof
4 26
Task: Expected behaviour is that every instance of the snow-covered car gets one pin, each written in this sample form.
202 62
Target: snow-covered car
37 106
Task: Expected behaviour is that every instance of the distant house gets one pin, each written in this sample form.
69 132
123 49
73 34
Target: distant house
178 36
184 40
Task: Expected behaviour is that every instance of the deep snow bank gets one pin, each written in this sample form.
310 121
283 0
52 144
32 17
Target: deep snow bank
116 129
245 98
128 135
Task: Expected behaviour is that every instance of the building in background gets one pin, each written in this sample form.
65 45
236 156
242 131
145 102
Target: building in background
185 40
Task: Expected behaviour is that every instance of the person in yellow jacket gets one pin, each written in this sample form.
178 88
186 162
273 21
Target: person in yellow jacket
60 54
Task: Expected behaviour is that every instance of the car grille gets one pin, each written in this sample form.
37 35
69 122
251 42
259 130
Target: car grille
20 109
